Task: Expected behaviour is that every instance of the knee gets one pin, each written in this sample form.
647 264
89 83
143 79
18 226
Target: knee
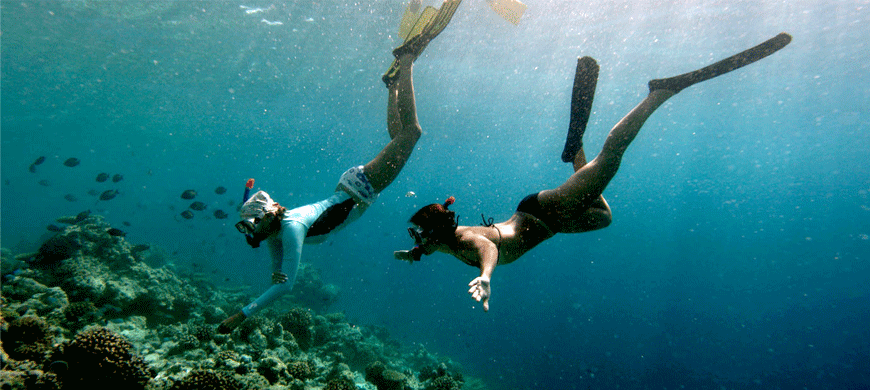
599 218
413 132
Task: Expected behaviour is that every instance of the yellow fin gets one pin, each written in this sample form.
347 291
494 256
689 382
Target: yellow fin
413 23
510 10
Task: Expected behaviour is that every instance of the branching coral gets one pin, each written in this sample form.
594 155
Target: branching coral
300 370
208 379
98 357
28 337
299 322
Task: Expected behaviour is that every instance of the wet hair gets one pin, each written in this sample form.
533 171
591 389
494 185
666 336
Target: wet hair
438 220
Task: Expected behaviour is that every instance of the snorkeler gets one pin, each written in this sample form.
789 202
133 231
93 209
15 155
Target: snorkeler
577 205
287 230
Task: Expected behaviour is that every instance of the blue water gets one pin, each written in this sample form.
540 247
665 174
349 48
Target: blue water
738 256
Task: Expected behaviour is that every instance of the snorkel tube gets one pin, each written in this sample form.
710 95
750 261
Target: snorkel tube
248 187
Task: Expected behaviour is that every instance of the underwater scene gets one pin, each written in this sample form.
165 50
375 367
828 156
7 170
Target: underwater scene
731 253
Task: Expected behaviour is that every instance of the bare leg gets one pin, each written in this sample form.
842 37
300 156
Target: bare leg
583 189
403 128
598 215
570 201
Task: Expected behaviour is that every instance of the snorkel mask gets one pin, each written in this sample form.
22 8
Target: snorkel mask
257 209
422 237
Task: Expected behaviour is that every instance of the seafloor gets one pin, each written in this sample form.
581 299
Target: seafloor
90 309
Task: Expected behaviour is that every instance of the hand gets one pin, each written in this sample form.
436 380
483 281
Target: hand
279 277
231 323
480 291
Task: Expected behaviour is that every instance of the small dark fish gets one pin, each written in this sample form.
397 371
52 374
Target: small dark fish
93 192
102 177
108 194
198 206
220 214
188 194
125 223
118 177
39 160
70 197
71 162
116 232
32 168
53 228
220 190
187 214
44 182
82 216
140 248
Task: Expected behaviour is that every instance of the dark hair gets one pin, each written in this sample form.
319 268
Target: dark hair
438 220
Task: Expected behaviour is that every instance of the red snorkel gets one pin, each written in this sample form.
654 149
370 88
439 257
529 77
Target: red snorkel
248 187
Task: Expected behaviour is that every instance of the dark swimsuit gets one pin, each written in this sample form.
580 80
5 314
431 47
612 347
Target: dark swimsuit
531 205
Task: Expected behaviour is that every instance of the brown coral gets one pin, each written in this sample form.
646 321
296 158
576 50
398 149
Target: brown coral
98 357
445 382
28 338
300 323
384 378
208 379
340 384
301 370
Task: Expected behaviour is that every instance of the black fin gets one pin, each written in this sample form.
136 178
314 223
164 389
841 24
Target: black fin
585 80
737 61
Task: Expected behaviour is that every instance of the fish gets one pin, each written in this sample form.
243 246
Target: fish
188 194
82 216
220 214
44 182
71 162
187 214
108 194
198 206
70 197
53 228
32 168
39 160
102 177
116 232
220 190
93 192
125 223
140 248
118 177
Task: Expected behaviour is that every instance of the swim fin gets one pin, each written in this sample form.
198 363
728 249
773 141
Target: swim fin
737 61
585 80
510 10
427 27
412 23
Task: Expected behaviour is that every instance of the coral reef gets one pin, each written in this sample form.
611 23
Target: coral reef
87 310
98 356
208 379
27 338
385 378
300 323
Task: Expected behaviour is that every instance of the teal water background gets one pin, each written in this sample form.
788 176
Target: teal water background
738 255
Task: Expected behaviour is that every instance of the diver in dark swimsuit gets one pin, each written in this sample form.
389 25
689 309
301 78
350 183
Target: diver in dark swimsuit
577 205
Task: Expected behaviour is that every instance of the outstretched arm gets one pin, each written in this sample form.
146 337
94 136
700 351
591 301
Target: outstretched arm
479 288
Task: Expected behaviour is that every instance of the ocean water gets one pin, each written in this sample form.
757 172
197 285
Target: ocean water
738 255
